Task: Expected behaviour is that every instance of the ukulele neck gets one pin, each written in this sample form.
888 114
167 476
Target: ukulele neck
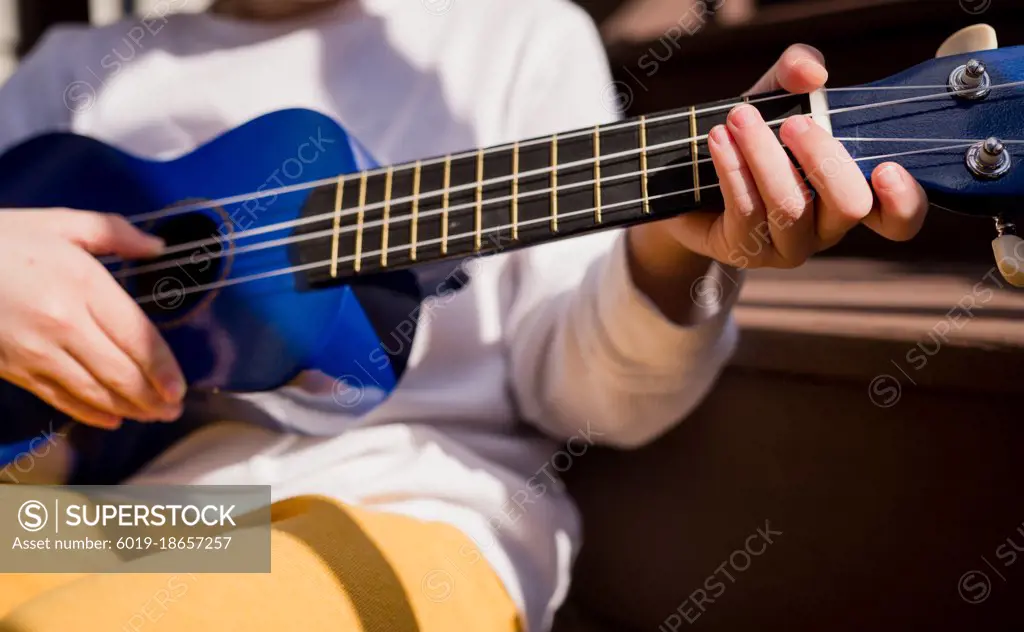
522 194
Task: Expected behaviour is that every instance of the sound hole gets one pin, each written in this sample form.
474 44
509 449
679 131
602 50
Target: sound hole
171 293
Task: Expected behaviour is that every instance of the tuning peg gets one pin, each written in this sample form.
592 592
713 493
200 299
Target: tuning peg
989 159
969 40
1008 249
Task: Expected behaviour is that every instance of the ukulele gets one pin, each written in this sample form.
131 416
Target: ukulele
260 283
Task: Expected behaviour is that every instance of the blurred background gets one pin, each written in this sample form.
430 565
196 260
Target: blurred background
23 21
863 38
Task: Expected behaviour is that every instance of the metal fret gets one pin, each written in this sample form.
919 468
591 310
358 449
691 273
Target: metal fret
515 190
444 204
386 218
693 154
359 222
597 174
415 221
643 164
337 226
479 215
554 183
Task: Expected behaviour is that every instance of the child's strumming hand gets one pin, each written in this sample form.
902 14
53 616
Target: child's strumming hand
68 332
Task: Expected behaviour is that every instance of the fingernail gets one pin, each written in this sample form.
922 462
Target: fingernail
112 423
173 388
156 244
890 178
797 125
719 135
815 72
171 414
819 75
745 116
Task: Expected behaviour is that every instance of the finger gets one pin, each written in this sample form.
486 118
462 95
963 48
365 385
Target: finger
846 198
902 203
702 232
786 198
112 368
58 396
105 234
800 69
744 231
67 371
51 392
124 322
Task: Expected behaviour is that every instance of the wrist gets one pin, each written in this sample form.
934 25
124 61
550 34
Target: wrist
665 271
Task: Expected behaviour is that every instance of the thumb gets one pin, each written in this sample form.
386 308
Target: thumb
702 233
106 234
799 70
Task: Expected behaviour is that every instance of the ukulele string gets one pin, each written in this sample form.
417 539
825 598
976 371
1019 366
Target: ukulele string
611 127
216 285
348 213
236 199
854 139
395 220
874 88
137 270
471 234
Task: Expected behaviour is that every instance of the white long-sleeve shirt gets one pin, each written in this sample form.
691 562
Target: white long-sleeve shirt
555 336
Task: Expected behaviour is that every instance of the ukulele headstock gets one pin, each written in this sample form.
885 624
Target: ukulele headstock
956 123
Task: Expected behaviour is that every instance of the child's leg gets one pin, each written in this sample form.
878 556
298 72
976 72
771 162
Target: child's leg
18 589
334 568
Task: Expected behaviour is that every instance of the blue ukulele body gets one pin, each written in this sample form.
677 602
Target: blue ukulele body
242 336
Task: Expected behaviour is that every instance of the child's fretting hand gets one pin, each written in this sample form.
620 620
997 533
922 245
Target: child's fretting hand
68 332
771 217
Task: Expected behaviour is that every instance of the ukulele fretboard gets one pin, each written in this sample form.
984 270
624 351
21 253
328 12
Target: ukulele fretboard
521 194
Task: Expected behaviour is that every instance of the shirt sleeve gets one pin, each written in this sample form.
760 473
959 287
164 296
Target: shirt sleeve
588 351
41 96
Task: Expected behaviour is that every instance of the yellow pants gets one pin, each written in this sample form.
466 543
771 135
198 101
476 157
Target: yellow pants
335 568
